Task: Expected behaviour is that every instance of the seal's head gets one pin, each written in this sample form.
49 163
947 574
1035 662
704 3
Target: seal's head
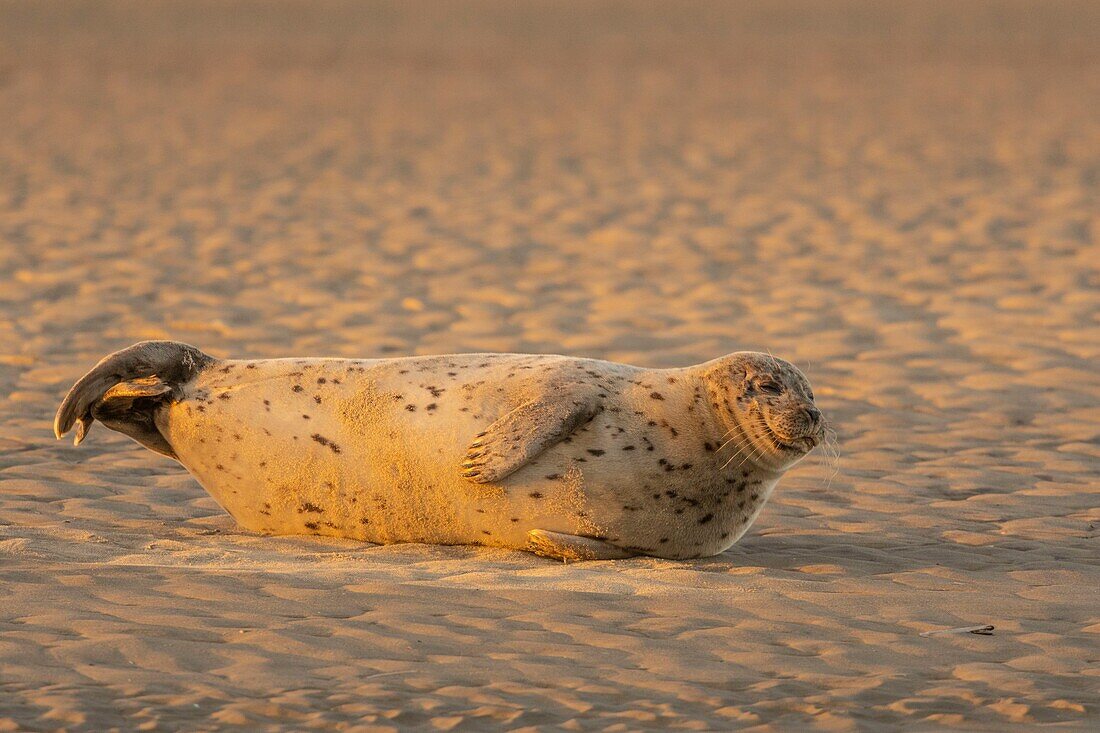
767 406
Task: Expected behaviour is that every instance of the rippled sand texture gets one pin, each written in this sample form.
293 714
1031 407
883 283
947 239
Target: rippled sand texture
903 200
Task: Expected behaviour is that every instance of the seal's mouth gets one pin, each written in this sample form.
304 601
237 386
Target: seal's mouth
799 444
773 448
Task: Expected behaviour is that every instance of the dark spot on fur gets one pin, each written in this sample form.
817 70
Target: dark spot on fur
308 507
656 395
321 380
326 442
297 388
706 518
410 407
535 495
685 467
317 399
663 540
485 531
596 451
223 396
364 520
431 406
250 366
311 525
515 519
628 447
305 416
553 476
725 535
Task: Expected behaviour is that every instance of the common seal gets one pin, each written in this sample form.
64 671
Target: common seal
565 457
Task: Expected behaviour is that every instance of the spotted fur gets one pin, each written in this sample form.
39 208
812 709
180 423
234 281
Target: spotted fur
568 457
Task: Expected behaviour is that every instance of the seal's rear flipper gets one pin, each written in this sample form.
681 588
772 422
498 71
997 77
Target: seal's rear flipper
124 389
571 547
520 435
128 407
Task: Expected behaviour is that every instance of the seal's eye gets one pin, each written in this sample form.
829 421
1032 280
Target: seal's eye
771 388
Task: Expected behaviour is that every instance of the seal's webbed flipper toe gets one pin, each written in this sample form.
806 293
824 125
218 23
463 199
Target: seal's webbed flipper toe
520 435
571 547
122 389
128 408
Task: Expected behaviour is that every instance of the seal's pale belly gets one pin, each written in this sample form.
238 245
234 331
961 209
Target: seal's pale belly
370 450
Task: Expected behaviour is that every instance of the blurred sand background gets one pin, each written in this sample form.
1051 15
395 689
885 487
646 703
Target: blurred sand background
901 198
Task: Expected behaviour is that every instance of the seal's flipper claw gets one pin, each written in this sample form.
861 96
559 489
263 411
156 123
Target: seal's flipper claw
571 547
528 430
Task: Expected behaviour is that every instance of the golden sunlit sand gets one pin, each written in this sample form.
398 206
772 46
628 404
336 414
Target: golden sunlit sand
901 199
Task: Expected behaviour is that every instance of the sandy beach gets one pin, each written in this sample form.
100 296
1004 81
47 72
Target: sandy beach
904 200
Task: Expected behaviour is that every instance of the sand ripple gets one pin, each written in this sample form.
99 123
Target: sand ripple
903 199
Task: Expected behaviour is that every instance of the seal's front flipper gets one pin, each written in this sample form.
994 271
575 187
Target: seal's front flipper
520 435
571 547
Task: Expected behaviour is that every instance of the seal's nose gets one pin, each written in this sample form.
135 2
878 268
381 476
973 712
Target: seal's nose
813 414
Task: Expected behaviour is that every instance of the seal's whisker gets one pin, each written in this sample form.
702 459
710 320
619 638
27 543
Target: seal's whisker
755 451
746 449
723 445
740 451
831 446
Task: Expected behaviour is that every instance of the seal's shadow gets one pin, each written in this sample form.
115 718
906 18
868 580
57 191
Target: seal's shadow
856 556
